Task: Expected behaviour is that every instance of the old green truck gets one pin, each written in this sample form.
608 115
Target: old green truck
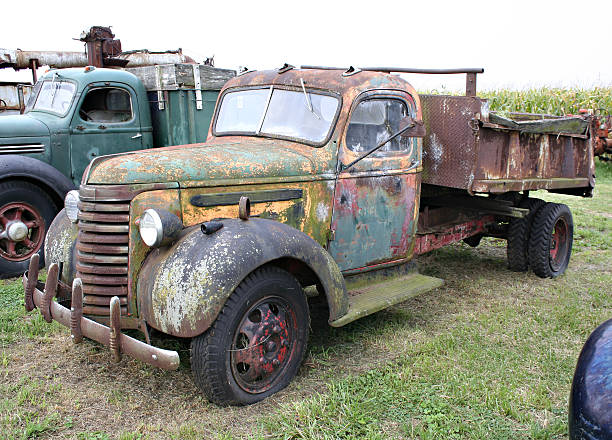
318 180
78 114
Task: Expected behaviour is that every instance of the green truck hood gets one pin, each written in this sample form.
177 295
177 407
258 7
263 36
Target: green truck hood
21 126
202 162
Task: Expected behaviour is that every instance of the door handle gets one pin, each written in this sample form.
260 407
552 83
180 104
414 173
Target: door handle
137 136
102 127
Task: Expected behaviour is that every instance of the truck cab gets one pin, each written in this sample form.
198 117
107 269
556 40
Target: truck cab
70 114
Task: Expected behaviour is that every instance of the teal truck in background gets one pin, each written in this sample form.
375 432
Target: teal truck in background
74 116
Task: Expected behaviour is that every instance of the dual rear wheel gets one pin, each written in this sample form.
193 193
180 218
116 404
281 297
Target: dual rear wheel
542 240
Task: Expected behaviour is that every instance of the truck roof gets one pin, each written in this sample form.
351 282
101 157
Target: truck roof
86 75
329 80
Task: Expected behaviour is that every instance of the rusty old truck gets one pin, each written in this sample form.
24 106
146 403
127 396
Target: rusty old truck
318 180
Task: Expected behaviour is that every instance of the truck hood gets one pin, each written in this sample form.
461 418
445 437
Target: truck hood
22 126
190 164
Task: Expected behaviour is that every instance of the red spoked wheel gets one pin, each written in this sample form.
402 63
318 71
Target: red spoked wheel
261 348
257 343
559 244
26 211
23 231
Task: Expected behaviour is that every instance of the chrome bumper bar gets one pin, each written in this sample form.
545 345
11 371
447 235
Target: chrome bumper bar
80 326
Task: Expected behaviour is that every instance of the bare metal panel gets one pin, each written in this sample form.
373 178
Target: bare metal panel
450 146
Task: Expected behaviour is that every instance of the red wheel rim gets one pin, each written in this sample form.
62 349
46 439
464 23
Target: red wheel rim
263 345
28 215
559 244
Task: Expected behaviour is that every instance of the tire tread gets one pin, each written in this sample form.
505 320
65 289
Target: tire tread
519 231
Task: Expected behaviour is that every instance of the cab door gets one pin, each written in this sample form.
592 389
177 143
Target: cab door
106 121
376 200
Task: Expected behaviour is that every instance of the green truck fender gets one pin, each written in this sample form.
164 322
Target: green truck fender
15 167
183 287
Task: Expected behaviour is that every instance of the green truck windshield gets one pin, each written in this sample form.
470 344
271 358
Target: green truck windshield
301 115
53 96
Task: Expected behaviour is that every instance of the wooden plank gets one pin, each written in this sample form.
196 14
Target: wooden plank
180 76
570 125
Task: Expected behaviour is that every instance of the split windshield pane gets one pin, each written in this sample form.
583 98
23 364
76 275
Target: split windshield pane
241 111
55 96
294 114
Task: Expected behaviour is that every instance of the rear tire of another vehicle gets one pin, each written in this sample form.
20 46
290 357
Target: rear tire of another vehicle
519 231
550 244
257 343
33 206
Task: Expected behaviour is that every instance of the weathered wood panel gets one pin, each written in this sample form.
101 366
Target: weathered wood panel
180 76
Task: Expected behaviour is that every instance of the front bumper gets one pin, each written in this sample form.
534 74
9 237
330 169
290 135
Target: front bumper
41 296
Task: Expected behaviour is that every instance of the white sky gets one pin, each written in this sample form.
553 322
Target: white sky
519 44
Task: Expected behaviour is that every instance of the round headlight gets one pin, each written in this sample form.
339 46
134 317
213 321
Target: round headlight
151 229
71 205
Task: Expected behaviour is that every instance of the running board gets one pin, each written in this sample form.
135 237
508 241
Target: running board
375 297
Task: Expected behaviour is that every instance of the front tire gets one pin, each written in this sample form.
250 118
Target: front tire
25 204
550 244
257 343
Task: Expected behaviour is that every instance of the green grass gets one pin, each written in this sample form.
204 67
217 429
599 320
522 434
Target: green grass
14 322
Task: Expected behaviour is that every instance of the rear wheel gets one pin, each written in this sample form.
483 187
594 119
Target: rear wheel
550 244
257 343
26 212
519 231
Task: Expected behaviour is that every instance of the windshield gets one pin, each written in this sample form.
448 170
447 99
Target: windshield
292 114
52 95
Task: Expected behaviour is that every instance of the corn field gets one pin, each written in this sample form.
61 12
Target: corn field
550 101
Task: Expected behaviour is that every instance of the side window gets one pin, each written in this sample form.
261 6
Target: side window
373 121
107 105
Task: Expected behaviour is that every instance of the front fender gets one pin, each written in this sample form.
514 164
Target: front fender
60 246
183 287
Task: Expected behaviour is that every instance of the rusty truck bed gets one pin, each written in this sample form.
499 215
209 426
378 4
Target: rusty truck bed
468 148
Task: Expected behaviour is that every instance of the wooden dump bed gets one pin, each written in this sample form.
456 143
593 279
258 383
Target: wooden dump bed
466 147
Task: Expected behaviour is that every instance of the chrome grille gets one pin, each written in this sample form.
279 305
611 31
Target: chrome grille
102 250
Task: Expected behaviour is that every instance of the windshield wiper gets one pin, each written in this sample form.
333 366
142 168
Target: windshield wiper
308 102
53 90
263 116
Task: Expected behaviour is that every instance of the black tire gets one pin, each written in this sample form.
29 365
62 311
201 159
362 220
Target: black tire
519 230
550 244
257 343
473 241
36 203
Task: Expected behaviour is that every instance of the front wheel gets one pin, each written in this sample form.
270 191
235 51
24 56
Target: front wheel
26 212
257 343
550 243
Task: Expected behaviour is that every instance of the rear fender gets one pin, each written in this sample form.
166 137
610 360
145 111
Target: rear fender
183 287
